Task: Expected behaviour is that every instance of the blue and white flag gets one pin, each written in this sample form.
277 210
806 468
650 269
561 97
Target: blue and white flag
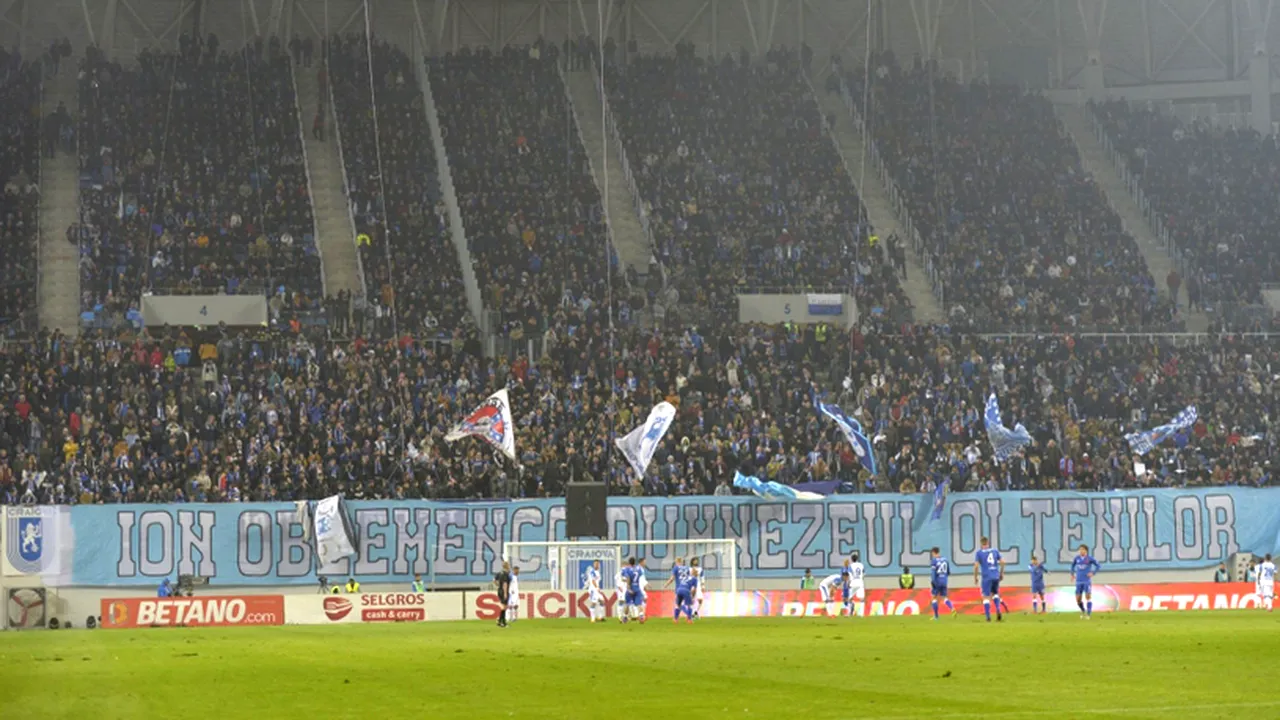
1144 441
940 499
639 445
852 430
334 539
771 490
1004 442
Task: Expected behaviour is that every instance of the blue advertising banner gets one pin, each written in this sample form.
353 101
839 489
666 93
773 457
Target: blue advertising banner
262 544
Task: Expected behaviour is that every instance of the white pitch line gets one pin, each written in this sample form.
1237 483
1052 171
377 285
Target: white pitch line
1090 711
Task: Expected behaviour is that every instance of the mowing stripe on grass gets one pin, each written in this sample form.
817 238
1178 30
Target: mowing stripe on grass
1088 711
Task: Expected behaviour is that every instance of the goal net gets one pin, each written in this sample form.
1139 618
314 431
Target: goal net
563 565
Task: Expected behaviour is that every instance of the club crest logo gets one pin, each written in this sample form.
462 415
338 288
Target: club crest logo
30 539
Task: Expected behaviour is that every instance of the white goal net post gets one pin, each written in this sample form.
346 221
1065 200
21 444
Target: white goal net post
563 565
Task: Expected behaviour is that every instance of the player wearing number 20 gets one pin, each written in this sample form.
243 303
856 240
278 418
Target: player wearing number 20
1083 566
990 566
939 575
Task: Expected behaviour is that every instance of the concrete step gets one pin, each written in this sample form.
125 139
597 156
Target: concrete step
849 142
335 231
59 295
634 247
1094 158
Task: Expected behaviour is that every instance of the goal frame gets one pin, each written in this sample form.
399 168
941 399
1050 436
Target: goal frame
723 547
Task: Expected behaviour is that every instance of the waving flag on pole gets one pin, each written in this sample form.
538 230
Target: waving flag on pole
334 537
1144 441
1004 442
639 445
852 430
490 422
771 490
940 499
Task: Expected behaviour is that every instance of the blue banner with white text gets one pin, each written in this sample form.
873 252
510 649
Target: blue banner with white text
262 544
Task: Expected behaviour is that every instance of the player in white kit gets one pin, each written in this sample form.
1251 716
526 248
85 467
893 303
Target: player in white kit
696 569
1265 583
857 584
619 595
595 598
644 590
830 588
513 598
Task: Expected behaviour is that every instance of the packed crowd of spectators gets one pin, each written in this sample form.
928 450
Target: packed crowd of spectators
189 416
744 188
529 202
183 415
193 177
1021 237
410 265
19 185
1215 192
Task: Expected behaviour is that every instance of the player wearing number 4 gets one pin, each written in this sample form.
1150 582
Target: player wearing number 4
1083 566
990 566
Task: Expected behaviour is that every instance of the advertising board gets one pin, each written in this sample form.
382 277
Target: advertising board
968 600
371 608
208 611
537 605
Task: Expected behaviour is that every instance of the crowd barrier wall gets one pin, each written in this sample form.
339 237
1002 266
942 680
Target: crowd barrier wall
262 544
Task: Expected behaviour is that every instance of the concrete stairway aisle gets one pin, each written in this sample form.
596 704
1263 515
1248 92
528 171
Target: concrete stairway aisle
633 247
1095 161
59 297
335 232
879 209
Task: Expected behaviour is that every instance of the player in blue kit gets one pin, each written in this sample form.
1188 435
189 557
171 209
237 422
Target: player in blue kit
1083 566
1038 604
676 571
990 566
939 575
631 578
686 586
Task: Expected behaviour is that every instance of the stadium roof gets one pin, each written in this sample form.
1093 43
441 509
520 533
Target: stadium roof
1138 41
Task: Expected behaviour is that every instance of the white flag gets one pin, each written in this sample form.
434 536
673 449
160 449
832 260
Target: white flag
490 422
333 534
640 444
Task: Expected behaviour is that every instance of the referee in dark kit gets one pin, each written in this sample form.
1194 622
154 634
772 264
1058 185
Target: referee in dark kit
503 580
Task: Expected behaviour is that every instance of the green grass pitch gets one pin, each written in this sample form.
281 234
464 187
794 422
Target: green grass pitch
1175 665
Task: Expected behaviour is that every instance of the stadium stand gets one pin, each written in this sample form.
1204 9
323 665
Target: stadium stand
409 263
1021 237
744 188
19 185
194 178
270 415
530 205
1214 191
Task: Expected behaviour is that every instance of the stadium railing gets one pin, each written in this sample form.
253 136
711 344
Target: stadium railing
591 166
1133 183
346 181
449 193
611 129
897 200
306 167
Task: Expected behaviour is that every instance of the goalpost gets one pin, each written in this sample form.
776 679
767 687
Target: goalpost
563 565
